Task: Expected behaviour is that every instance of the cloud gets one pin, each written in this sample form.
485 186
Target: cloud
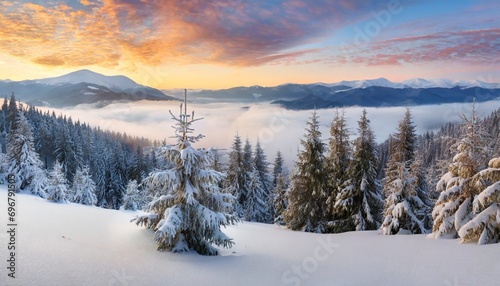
234 33
253 33
473 46
49 61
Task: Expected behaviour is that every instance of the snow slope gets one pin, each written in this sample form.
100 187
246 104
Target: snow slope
70 244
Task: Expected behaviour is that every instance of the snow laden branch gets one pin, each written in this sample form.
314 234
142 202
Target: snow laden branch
482 224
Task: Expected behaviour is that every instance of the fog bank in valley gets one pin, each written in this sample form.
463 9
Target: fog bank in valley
275 127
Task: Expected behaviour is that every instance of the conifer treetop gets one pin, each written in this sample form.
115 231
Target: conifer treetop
183 123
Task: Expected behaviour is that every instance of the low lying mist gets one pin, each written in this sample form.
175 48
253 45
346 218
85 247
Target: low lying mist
275 127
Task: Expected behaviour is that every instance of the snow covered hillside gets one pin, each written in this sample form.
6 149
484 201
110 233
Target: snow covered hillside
71 244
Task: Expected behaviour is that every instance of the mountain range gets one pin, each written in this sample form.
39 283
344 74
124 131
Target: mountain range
85 86
369 93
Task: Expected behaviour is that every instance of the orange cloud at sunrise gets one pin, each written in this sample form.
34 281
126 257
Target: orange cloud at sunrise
219 43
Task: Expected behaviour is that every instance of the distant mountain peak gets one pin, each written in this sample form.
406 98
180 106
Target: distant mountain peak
382 82
80 87
115 82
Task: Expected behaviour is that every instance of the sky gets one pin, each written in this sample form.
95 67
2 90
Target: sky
225 43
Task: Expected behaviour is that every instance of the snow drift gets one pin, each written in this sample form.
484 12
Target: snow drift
71 244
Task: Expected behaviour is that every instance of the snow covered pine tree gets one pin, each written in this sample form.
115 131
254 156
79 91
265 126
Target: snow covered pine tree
58 187
405 210
134 199
22 159
485 223
256 205
308 186
189 213
336 166
280 199
453 207
279 193
234 183
84 188
359 203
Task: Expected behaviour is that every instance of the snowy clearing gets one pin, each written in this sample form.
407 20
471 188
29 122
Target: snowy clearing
71 244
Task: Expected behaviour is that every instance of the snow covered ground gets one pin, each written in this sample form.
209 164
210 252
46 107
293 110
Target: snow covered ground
70 244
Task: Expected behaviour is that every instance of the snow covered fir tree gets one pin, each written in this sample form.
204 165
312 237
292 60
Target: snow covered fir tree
358 204
192 209
23 161
336 165
261 166
248 180
57 188
405 211
280 199
307 196
482 224
234 183
134 198
256 207
279 193
84 188
461 189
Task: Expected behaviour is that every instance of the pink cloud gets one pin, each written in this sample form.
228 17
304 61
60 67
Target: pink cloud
475 46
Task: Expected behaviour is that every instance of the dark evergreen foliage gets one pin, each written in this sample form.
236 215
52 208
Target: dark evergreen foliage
359 204
308 186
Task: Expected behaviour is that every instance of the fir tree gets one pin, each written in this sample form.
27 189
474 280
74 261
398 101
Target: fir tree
57 187
307 192
336 166
419 183
11 113
189 213
234 182
278 168
84 187
65 151
473 149
454 206
256 208
359 204
100 172
280 199
248 164
3 126
217 160
404 209
134 199
262 168
22 159
402 205
483 223
118 177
